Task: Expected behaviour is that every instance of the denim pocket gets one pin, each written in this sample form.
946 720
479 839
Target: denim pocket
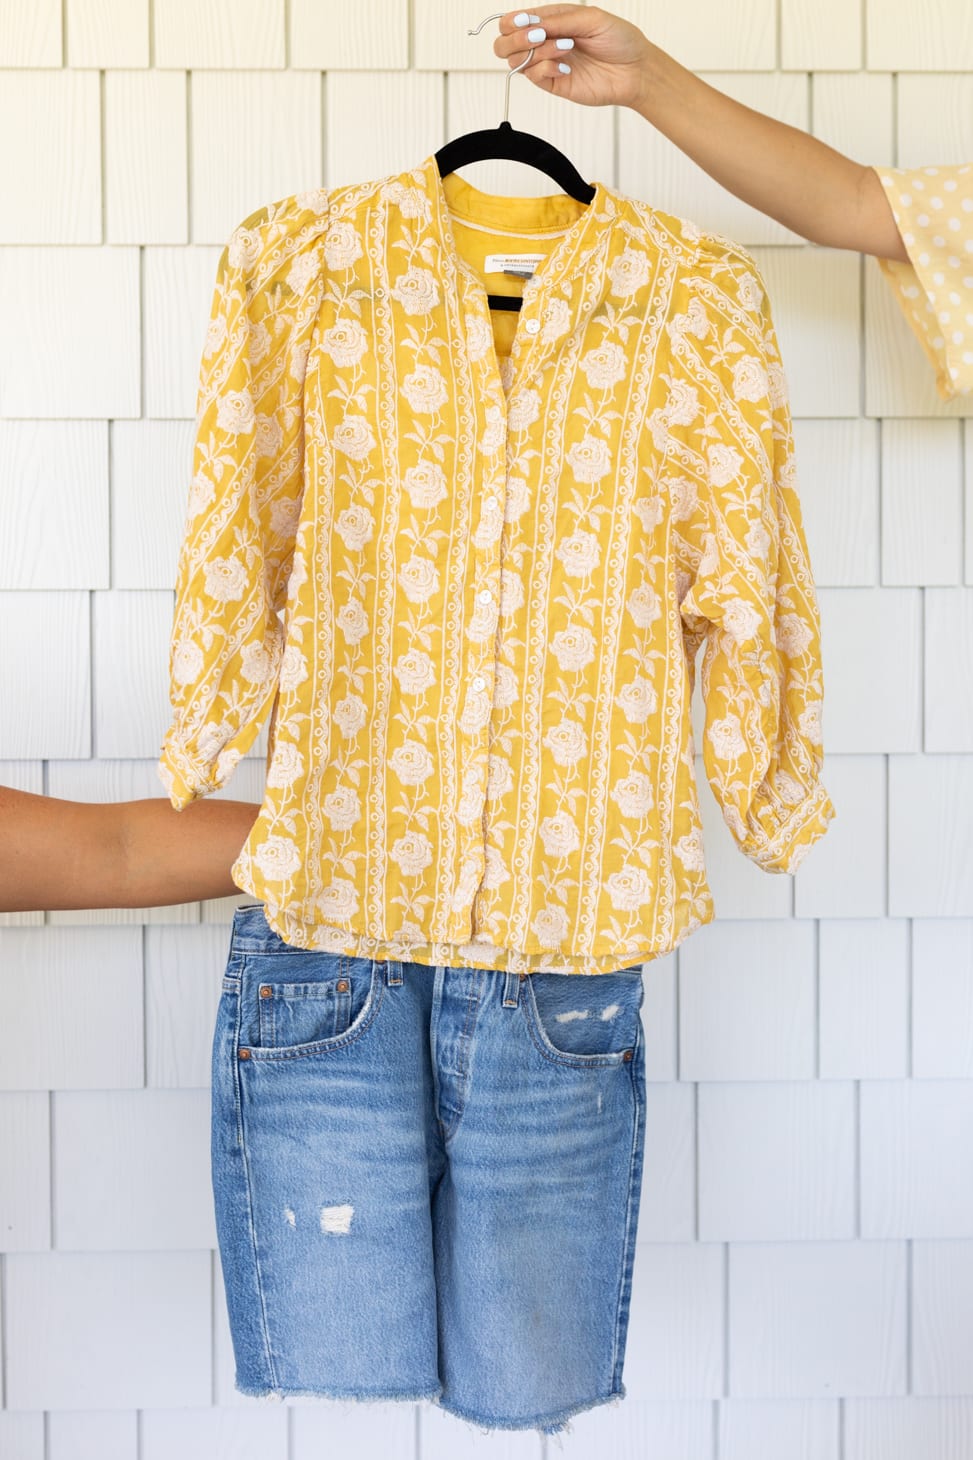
296 1013
582 1017
305 1003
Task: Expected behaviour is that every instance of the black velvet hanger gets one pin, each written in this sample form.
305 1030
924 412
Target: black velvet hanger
504 141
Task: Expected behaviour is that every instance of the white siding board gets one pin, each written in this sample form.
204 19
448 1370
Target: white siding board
949 670
901 1429
225 34
675 1336
151 469
54 525
942 1336
97 1330
405 110
863 998
54 718
183 976
813 1319
93 1435
839 484
667 1212
214 1434
912 1185
150 1150
776 1161
25 1194
145 157
30 35
937 37
51 188
106 34
942 998
66 298
844 875
801 1429
371 36
274 119
72 1000
747 1002
930 836
922 502
872 656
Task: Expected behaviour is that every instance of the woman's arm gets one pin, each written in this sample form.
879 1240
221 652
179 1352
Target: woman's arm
786 173
71 854
792 177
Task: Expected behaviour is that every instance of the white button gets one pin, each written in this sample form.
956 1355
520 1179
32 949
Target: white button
490 503
479 682
485 596
532 326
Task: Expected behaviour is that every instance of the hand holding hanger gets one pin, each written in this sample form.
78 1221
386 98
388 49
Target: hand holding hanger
583 53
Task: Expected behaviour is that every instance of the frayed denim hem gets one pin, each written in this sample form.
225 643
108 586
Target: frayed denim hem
346 1396
555 1424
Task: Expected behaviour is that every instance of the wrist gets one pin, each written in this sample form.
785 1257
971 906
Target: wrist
656 76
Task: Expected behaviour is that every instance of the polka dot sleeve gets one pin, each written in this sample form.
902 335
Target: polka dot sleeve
933 207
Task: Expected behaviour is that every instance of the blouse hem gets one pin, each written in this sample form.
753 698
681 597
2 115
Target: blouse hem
339 938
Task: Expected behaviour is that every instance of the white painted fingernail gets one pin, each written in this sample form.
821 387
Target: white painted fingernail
564 69
540 34
564 44
522 18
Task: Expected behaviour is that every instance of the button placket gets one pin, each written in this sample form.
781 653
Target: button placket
486 570
525 350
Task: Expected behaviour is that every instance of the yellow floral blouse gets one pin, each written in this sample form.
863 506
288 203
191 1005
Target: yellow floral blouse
933 208
465 564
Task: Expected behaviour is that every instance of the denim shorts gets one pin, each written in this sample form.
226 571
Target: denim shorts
426 1179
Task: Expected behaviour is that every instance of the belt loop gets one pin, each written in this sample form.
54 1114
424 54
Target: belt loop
393 971
511 989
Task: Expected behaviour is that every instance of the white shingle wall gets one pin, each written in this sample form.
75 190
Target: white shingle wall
804 1279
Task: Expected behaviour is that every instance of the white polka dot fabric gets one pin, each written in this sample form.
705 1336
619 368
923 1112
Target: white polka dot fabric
933 207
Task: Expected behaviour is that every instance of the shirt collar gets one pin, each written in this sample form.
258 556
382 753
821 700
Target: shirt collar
561 276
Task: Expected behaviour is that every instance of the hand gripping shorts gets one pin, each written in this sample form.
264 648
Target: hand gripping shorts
426 1179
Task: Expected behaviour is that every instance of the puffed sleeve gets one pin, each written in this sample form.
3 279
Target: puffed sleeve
745 580
245 495
933 209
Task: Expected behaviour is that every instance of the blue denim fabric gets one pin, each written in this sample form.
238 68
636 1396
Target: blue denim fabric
426 1180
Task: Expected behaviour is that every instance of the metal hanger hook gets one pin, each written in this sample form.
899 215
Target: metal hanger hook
511 70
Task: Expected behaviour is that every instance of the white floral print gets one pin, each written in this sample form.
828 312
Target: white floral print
473 581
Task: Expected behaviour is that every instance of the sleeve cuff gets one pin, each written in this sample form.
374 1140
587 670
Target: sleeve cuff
779 837
188 779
